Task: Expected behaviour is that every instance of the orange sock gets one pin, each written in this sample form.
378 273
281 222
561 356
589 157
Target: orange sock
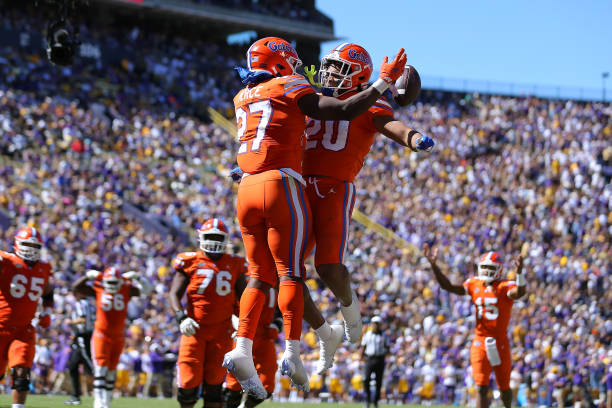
291 304
251 304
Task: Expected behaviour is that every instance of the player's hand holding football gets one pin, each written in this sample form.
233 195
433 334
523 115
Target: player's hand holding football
430 253
391 71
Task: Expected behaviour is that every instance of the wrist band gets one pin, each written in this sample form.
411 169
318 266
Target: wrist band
410 136
520 279
380 85
180 316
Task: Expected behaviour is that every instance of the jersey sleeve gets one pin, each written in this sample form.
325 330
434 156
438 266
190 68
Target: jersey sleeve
181 262
467 285
505 287
296 86
381 108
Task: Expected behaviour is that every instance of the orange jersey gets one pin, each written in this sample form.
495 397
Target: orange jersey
111 308
21 287
210 292
338 148
271 125
493 306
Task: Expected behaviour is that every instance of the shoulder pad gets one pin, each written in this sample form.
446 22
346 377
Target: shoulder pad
183 259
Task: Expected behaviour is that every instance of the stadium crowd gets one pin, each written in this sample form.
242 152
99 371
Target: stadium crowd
509 173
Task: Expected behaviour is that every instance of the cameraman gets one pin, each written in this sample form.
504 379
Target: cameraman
82 320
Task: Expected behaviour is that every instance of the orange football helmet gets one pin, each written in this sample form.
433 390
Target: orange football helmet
346 67
28 244
490 267
213 236
273 55
112 280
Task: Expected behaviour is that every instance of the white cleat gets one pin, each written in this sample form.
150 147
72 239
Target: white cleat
243 369
294 369
353 327
353 331
327 349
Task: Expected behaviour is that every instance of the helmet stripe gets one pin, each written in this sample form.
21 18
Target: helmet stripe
341 46
34 234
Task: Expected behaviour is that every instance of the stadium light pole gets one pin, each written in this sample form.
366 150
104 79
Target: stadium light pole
604 76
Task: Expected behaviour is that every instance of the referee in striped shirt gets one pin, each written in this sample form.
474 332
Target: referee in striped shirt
82 321
375 348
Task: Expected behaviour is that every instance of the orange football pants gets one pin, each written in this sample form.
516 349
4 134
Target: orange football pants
106 349
17 346
481 368
331 202
201 355
274 218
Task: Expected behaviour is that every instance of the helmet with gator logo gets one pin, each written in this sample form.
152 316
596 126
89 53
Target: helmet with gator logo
273 55
28 244
213 236
347 67
490 267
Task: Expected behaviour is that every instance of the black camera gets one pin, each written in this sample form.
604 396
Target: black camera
61 43
63 31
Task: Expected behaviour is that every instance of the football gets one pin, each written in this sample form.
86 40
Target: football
408 86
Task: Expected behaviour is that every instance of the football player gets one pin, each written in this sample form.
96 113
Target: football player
493 298
24 280
211 278
112 291
334 155
273 213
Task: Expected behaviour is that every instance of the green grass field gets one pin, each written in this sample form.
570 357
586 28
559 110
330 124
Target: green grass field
55 401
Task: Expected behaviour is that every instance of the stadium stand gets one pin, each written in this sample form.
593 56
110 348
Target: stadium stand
80 145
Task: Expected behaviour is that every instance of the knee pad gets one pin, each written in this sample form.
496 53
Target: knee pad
187 395
22 382
213 393
100 374
111 377
232 398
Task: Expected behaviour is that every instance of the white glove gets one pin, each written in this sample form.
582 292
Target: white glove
130 274
189 326
92 274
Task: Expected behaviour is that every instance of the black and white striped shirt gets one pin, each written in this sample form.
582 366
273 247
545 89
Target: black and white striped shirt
84 308
376 344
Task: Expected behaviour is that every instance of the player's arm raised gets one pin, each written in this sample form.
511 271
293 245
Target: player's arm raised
328 108
81 286
521 285
396 130
432 255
